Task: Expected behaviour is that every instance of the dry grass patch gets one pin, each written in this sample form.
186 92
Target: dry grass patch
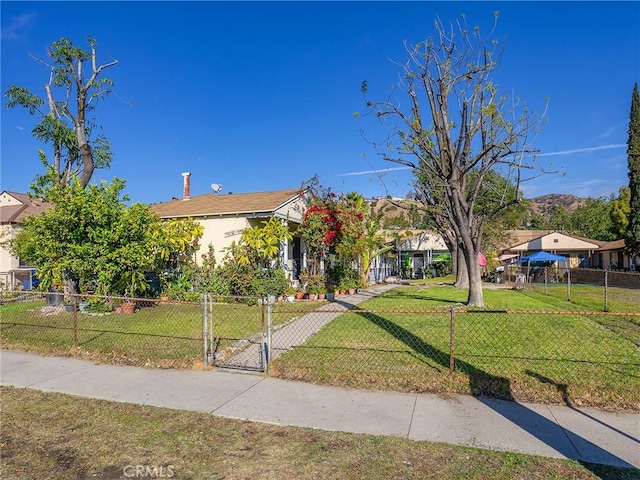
50 435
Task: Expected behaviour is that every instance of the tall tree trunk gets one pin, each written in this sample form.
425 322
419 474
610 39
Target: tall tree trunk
462 272
475 298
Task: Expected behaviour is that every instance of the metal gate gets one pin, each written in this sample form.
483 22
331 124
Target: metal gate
233 339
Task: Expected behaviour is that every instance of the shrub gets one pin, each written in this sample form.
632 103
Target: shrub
270 281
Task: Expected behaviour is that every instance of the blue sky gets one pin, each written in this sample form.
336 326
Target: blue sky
260 96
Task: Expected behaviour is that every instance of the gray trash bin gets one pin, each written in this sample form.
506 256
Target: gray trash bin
54 298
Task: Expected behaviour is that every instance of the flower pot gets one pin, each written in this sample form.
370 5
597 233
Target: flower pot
291 298
321 296
312 296
128 308
352 291
299 295
330 296
164 298
69 307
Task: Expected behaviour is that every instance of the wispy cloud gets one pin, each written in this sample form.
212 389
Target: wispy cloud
583 150
547 154
18 127
373 172
591 187
607 133
17 25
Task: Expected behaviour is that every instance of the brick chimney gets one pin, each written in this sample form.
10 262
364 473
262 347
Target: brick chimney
186 187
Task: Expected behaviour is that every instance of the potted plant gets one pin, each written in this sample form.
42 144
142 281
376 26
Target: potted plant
313 292
133 281
291 294
351 285
322 292
330 293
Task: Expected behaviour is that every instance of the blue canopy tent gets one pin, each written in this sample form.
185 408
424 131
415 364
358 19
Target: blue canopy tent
540 258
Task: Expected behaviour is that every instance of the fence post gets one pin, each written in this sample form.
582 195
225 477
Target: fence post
569 284
205 332
452 322
606 291
268 345
75 321
263 344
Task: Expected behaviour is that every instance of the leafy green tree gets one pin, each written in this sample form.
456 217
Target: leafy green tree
559 219
620 210
91 235
632 237
250 265
593 219
350 215
319 229
449 124
372 244
263 244
74 89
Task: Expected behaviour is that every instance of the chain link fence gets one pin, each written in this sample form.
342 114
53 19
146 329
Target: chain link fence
144 332
556 356
604 290
585 357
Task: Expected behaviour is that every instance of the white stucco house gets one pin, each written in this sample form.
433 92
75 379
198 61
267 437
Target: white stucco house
225 216
578 250
14 208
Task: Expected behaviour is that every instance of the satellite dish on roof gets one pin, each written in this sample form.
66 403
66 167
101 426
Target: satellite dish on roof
216 187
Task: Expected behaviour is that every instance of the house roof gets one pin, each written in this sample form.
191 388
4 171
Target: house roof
615 245
517 237
15 207
229 204
556 241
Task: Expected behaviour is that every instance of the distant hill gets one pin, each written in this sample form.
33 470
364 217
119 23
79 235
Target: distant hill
545 203
395 211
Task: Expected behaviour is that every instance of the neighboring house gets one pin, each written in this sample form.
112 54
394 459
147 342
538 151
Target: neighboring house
578 250
225 216
611 256
14 208
421 245
583 252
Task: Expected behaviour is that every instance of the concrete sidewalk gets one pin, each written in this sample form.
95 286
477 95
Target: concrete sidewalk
552 431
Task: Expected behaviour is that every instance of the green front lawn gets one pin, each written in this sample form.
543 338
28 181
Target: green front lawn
398 341
161 334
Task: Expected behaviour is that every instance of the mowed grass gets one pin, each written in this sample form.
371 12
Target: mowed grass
51 435
158 334
591 296
401 341
398 341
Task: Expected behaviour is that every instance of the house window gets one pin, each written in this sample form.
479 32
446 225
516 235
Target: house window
24 264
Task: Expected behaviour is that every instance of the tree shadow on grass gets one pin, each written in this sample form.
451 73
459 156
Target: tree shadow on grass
484 385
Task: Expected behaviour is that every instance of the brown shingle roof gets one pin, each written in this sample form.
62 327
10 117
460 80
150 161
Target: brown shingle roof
11 214
615 245
230 204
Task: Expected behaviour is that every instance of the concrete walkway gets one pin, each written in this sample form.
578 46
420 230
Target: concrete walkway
297 332
552 431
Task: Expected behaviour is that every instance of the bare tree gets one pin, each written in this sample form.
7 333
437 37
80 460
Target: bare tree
455 130
64 122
